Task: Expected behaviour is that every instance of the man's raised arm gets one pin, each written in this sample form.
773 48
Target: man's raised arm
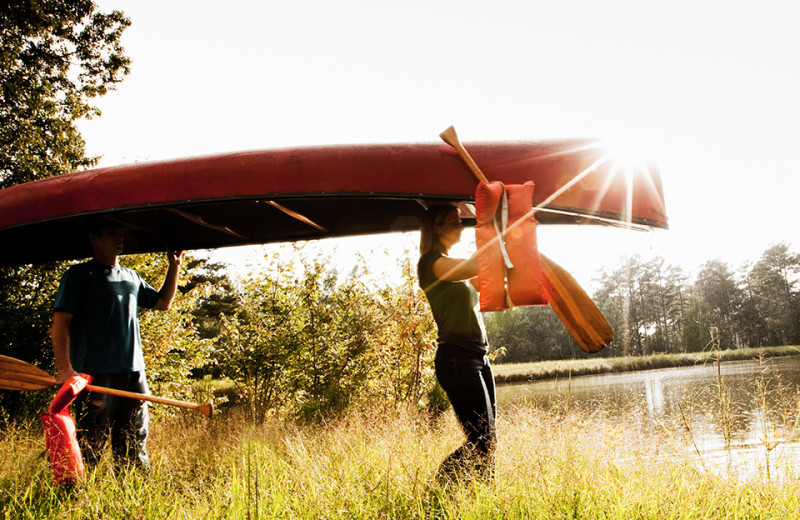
170 286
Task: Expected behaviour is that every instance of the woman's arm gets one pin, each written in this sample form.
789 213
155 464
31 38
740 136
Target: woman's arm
455 269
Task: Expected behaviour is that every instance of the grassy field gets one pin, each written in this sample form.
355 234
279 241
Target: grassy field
382 465
519 372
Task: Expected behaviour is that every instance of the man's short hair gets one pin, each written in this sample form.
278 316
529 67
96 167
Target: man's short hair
94 225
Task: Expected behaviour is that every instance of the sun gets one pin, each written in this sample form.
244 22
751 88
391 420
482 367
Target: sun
633 158
630 152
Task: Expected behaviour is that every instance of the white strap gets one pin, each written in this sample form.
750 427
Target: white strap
500 229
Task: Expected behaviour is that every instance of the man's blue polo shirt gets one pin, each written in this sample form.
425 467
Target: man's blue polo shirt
104 331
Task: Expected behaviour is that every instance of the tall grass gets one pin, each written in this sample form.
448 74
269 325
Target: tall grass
569 464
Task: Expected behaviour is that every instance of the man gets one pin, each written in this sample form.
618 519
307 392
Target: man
96 331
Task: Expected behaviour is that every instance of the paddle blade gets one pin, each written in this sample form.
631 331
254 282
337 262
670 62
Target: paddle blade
579 314
207 409
19 375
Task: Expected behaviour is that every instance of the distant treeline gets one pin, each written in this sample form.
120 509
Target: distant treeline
655 308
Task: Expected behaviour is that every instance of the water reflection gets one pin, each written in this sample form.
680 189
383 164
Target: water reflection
748 405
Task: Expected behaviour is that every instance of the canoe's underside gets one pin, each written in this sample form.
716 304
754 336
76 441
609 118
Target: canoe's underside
310 193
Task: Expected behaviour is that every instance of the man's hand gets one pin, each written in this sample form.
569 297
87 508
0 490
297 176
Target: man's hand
175 258
62 376
170 285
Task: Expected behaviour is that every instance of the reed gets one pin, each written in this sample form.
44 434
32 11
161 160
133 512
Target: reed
569 464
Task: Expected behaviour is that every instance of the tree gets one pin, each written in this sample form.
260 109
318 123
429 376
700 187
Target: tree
621 296
404 348
305 340
645 303
26 307
530 333
718 289
772 281
219 298
56 56
696 324
661 287
257 344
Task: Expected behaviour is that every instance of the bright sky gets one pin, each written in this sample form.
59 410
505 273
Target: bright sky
710 89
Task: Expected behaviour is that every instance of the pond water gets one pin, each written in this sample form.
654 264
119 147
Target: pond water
740 416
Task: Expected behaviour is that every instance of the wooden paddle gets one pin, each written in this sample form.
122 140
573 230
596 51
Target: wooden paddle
576 310
19 375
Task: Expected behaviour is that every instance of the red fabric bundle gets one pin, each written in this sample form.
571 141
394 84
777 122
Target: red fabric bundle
509 269
65 454
59 433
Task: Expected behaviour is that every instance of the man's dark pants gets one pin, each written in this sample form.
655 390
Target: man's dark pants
123 421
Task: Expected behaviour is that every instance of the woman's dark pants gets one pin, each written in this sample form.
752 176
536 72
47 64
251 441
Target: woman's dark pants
467 379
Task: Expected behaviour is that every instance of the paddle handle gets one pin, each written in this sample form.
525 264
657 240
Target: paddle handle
450 137
204 408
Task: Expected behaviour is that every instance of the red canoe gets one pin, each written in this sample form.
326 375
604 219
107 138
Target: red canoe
307 193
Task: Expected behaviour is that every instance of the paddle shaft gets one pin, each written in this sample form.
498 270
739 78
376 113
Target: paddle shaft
584 321
202 408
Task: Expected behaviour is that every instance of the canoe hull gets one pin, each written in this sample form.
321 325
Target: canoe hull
257 197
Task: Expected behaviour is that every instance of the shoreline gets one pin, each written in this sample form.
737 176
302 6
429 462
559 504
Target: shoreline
513 373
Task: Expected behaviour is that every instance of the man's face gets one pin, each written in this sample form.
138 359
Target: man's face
111 240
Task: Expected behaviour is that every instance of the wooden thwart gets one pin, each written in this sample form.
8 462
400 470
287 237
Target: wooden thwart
200 221
295 215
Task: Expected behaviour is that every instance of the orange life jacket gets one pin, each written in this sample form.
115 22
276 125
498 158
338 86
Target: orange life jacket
509 269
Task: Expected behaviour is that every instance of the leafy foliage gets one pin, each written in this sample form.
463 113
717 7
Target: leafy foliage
306 341
55 57
26 306
532 333
217 297
404 337
172 348
772 281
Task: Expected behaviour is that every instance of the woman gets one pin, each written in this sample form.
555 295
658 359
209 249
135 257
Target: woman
462 367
